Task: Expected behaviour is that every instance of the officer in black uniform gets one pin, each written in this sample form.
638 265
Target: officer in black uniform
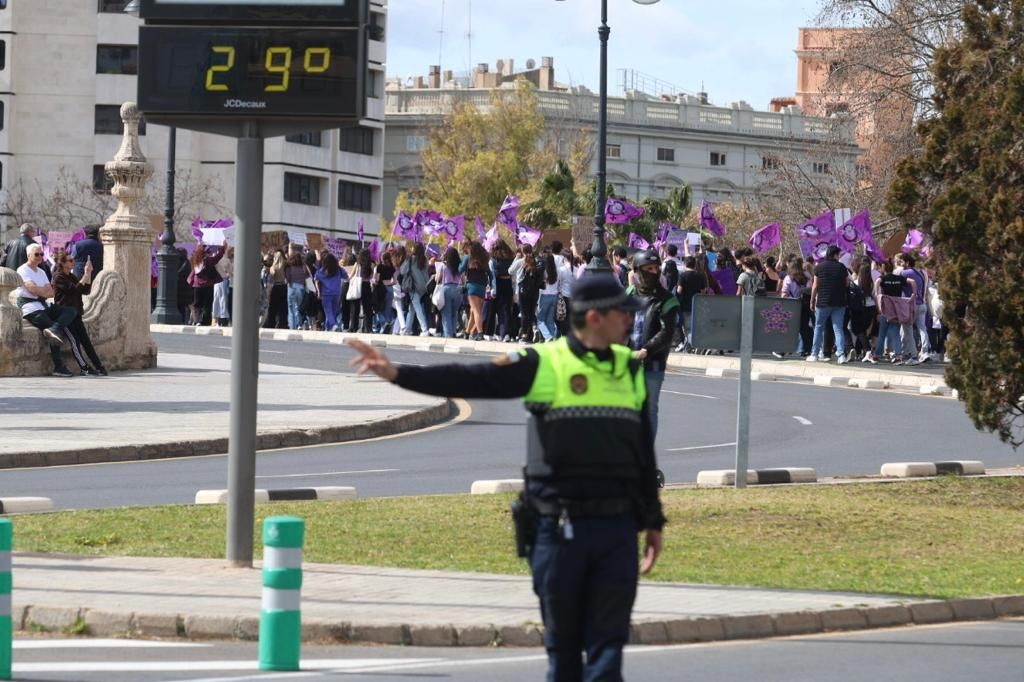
591 475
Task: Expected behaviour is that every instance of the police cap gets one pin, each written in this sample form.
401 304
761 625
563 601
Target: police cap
601 292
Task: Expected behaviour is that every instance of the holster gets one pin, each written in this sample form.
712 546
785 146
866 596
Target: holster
524 520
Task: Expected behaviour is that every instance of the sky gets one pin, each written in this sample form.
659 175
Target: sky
734 49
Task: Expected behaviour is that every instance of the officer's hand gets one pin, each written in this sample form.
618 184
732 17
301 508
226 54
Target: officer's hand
370 359
652 548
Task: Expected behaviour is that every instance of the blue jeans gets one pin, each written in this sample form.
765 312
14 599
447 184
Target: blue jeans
654 378
415 309
295 295
586 588
821 317
450 312
546 316
890 330
386 315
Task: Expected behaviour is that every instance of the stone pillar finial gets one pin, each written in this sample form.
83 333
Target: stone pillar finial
128 237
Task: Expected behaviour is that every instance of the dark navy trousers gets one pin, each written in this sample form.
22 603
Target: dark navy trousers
586 588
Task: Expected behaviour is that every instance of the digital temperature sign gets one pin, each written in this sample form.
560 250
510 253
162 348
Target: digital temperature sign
250 72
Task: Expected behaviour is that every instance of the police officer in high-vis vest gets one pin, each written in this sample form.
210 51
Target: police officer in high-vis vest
591 475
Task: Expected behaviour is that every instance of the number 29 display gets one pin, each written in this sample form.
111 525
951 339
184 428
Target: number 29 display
244 71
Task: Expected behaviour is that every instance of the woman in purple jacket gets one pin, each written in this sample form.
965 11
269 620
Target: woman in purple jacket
202 278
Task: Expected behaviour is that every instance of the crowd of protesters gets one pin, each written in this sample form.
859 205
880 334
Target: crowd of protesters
851 309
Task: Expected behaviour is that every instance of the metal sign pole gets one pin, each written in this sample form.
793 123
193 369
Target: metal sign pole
743 402
245 348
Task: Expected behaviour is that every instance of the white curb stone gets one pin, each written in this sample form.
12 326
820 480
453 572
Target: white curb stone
335 493
723 477
802 475
508 485
827 380
762 376
15 505
715 372
909 469
933 389
221 496
868 383
452 349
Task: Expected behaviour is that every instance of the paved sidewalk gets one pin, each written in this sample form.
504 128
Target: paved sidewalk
927 375
181 408
207 599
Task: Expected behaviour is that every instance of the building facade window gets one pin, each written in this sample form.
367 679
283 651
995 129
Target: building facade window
717 159
3 53
312 139
101 182
373 80
613 151
376 26
302 189
821 168
666 154
769 162
117 59
3 115
113 6
108 120
415 143
355 196
356 140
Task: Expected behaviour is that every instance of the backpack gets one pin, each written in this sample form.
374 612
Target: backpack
855 298
759 287
671 273
405 278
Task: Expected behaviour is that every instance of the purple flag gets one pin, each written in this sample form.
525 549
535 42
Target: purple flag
620 211
197 229
663 231
360 231
816 231
767 238
853 231
865 235
913 242
527 235
434 250
405 226
481 229
509 213
709 221
374 250
454 228
638 242
79 236
491 238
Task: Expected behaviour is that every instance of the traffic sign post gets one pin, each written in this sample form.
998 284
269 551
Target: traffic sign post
745 324
251 69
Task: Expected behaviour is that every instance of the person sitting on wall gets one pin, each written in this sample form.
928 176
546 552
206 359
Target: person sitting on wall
53 320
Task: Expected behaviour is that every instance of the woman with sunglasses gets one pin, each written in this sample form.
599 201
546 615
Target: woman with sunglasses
68 291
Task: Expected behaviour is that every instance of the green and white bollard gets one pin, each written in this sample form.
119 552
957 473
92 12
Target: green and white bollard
6 627
280 618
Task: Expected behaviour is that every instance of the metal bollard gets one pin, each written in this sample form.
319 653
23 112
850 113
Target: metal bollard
280 618
6 627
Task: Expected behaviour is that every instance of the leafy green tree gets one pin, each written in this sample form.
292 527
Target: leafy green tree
477 156
967 190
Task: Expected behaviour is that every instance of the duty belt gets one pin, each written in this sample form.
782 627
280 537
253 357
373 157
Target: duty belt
583 508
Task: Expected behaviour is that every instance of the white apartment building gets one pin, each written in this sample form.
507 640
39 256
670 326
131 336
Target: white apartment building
654 143
66 66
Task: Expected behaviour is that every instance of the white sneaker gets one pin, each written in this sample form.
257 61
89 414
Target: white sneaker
870 358
425 334
841 360
812 358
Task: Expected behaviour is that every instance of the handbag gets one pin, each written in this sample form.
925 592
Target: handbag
561 310
355 288
437 298
310 285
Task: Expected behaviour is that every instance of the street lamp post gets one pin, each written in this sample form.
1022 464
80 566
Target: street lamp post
166 310
599 250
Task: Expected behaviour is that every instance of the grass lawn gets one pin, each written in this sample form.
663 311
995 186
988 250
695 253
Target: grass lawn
951 537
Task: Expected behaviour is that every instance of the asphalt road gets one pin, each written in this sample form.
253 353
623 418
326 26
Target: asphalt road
837 431
989 651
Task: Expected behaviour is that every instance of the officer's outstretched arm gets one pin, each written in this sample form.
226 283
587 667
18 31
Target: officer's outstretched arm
369 359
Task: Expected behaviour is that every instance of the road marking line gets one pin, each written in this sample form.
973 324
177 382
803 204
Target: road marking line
326 664
803 420
100 644
692 395
334 473
703 447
